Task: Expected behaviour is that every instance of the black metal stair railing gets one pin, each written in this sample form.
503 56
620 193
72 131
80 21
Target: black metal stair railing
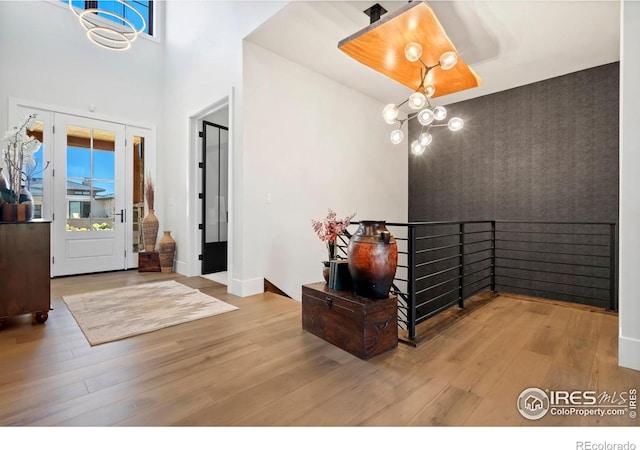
442 264
570 261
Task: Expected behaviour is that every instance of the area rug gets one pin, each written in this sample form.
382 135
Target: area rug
114 314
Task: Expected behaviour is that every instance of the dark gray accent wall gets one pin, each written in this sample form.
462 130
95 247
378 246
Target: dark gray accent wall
542 152
545 151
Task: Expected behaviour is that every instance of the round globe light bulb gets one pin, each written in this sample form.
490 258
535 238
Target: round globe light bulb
425 117
448 60
413 51
440 113
425 139
429 90
416 148
390 113
417 100
397 136
455 124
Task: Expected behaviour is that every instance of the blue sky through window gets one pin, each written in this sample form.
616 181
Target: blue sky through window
79 167
143 7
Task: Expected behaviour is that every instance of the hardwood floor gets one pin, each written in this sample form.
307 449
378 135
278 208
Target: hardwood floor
257 367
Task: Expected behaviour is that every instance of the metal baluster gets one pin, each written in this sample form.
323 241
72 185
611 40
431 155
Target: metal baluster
493 256
612 267
461 276
411 285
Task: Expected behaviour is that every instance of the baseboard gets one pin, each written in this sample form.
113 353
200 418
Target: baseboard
245 288
182 268
629 353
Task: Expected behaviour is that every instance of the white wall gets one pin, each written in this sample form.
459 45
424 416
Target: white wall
46 57
203 64
629 293
311 144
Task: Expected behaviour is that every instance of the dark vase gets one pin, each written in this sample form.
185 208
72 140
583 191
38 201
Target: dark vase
326 271
373 259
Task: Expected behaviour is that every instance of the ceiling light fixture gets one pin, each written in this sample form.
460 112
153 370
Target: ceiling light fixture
407 46
102 27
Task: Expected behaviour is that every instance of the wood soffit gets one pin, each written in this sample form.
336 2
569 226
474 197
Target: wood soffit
381 45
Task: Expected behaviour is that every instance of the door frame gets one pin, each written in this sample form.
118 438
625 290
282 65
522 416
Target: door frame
195 178
14 115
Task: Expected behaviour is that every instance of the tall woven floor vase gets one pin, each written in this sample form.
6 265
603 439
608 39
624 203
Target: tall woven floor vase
167 250
150 231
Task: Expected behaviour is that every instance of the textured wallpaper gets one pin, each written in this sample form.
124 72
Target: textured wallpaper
547 151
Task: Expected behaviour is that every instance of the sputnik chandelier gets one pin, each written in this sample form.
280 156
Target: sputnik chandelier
107 31
427 115
407 46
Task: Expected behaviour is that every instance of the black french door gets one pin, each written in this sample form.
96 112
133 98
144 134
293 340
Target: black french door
215 196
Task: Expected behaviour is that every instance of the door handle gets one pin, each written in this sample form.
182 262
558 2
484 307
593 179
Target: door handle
122 215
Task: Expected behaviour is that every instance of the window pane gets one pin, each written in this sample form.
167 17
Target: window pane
34 170
134 18
143 7
115 7
78 162
103 206
138 193
103 165
90 179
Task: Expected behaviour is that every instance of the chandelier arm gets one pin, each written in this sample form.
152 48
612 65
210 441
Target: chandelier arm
411 116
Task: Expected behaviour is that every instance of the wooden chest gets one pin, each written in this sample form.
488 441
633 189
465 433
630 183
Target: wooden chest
364 327
149 262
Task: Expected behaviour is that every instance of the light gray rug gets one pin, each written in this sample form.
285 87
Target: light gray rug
113 314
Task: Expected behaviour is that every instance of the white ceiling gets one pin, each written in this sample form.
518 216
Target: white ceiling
508 43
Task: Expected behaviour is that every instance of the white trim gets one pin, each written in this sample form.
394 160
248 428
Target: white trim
182 267
195 212
14 103
245 288
629 352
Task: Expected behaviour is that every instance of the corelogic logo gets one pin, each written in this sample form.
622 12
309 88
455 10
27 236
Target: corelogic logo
533 403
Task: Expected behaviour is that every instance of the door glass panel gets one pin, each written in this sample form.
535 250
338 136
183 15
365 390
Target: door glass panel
78 162
212 199
215 155
138 193
216 184
34 172
90 179
103 206
224 184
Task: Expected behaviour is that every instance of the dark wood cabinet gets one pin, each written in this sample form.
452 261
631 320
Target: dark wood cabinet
25 281
362 326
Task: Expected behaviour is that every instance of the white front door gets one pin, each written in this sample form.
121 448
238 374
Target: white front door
90 213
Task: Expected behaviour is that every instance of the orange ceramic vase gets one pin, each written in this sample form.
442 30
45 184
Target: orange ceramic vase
373 259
